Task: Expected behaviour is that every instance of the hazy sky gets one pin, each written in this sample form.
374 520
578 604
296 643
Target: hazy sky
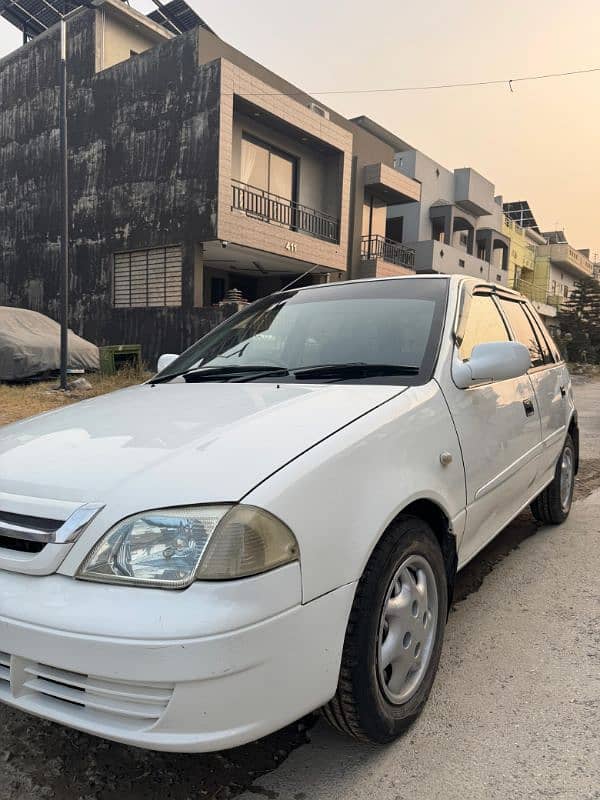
540 143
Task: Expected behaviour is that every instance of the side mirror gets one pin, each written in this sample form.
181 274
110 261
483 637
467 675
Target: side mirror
165 360
493 361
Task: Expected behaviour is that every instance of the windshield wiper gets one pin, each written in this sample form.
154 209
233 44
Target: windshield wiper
353 370
200 374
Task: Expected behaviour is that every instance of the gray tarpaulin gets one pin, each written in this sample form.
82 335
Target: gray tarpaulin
30 345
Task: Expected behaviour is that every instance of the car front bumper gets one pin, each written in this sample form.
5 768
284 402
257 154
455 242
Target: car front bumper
185 693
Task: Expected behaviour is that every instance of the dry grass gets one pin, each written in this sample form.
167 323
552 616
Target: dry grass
20 401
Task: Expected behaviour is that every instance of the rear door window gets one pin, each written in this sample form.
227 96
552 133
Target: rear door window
523 330
551 351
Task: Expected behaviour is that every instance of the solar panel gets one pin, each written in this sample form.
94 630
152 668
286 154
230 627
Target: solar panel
36 16
177 17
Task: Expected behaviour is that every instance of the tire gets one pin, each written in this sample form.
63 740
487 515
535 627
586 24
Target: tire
553 505
372 703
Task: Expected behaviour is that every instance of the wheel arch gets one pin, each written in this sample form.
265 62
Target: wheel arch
573 431
433 514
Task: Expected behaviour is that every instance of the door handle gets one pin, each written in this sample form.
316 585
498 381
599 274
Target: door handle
563 391
529 407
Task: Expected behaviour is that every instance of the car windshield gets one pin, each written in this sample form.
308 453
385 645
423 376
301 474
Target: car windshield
375 331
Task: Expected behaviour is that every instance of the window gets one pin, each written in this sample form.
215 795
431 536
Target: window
484 324
549 349
461 262
379 322
266 168
147 278
522 330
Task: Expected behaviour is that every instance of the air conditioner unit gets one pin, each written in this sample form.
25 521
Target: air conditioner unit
322 112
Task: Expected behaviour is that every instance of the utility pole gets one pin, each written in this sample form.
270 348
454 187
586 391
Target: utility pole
64 240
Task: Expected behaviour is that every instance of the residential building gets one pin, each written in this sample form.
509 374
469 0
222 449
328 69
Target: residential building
526 272
557 264
564 265
457 227
596 270
195 175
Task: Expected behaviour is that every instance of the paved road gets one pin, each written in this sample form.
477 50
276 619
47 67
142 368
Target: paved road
514 712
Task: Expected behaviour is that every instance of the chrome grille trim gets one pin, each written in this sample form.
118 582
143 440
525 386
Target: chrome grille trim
68 532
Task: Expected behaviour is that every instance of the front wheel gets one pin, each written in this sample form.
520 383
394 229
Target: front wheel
394 636
553 505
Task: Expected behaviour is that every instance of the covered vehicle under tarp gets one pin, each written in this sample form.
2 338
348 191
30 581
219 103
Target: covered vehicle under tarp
30 346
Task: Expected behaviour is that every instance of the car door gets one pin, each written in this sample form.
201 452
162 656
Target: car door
498 425
550 380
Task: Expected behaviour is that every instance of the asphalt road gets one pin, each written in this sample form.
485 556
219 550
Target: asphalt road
514 713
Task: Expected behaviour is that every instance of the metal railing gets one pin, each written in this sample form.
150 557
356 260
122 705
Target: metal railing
538 294
278 210
373 247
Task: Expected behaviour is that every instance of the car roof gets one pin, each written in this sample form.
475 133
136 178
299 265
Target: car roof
453 279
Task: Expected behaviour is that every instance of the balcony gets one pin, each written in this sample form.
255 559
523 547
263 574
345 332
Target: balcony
378 247
566 258
271 208
390 185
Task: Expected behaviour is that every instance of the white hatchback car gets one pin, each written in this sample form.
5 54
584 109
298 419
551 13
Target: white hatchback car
275 521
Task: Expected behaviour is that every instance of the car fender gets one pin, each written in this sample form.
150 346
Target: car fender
340 497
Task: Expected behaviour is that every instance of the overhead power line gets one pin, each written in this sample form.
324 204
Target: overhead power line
436 86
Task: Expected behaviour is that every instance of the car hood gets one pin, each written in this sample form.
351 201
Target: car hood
171 444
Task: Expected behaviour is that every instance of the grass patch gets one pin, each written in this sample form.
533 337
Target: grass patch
26 400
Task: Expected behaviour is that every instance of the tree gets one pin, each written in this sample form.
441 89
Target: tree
579 321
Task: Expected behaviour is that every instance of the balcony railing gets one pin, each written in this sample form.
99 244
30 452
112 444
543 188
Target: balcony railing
277 210
373 247
538 293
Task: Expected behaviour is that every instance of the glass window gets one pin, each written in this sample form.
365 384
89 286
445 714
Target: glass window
266 169
281 177
484 324
396 323
550 350
255 165
522 330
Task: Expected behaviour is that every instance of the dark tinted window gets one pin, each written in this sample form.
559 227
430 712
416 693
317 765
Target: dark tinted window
484 324
523 330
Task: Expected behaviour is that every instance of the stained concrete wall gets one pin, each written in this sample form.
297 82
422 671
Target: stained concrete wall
143 172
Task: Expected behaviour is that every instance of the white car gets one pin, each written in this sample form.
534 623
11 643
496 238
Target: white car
275 521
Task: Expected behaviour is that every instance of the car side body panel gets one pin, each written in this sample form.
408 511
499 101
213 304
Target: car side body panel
365 476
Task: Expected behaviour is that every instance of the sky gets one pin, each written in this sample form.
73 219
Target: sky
540 142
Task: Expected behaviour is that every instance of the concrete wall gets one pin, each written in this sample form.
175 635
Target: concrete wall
143 173
472 191
117 36
443 259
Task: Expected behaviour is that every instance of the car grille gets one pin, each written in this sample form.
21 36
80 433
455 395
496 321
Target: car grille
10 524
131 705
4 670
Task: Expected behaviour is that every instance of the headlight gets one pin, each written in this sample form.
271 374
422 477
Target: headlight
170 548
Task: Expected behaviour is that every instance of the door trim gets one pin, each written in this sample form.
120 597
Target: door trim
509 471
